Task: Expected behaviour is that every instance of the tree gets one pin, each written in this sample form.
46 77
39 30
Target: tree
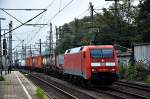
144 20
66 39
78 32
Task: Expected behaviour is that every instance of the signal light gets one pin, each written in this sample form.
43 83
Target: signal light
4 44
4 52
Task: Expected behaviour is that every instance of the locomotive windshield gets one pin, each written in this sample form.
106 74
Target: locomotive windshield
101 53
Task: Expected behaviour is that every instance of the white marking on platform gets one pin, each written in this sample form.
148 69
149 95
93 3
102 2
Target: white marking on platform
24 88
10 96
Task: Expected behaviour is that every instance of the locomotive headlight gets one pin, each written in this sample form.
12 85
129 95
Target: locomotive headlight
95 64
93 70
110 63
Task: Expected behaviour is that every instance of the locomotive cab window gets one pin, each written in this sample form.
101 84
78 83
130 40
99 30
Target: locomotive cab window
107 53
96 53
101 53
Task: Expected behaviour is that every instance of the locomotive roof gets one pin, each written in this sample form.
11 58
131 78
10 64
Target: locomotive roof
78 49
99 46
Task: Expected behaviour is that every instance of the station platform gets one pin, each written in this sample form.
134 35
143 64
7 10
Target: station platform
17 86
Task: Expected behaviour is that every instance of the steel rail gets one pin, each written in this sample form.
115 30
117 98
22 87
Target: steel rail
60 90
110 94
132 85
130 93
136 84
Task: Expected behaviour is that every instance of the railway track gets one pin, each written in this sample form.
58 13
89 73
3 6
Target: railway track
134 85
132 89
121 94
119 90
129 93
110 93
127 90
63 93
55 87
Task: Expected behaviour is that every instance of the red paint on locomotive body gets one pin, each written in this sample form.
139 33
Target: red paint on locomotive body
87 61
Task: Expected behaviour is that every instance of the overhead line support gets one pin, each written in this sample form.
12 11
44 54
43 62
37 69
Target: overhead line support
24 23
23 9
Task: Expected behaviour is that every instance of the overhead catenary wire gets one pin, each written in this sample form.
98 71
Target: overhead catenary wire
81 14
42 17
47 7
57 14
60 4
11 16
31 19
52 18
25 22
85 11
68 5
34 36
16 36
18 44
60 11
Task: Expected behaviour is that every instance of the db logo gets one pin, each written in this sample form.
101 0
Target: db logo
102 60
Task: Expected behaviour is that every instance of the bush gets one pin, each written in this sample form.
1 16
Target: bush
141 71
136 72
131 72
147 79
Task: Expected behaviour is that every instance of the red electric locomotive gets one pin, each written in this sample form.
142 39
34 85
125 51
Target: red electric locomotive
92 63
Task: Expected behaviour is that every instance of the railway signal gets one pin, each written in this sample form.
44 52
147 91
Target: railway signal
4 47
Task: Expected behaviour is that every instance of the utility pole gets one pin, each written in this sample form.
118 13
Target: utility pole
51 40
57 32
5 51
128 15
16 58
25 51
1 48
116 20
91 14
10 44
30 51
40 46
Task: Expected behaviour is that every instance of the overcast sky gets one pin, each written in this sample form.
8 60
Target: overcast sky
77 8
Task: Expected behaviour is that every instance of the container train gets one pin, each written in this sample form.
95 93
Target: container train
87 63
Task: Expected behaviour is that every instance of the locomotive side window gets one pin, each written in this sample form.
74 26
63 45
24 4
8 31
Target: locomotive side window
67 51
107 53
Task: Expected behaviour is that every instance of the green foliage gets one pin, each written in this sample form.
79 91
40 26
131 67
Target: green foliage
122 71
131 72
40 93
141 71
2 78
147 79
136 72
144 20
103 32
